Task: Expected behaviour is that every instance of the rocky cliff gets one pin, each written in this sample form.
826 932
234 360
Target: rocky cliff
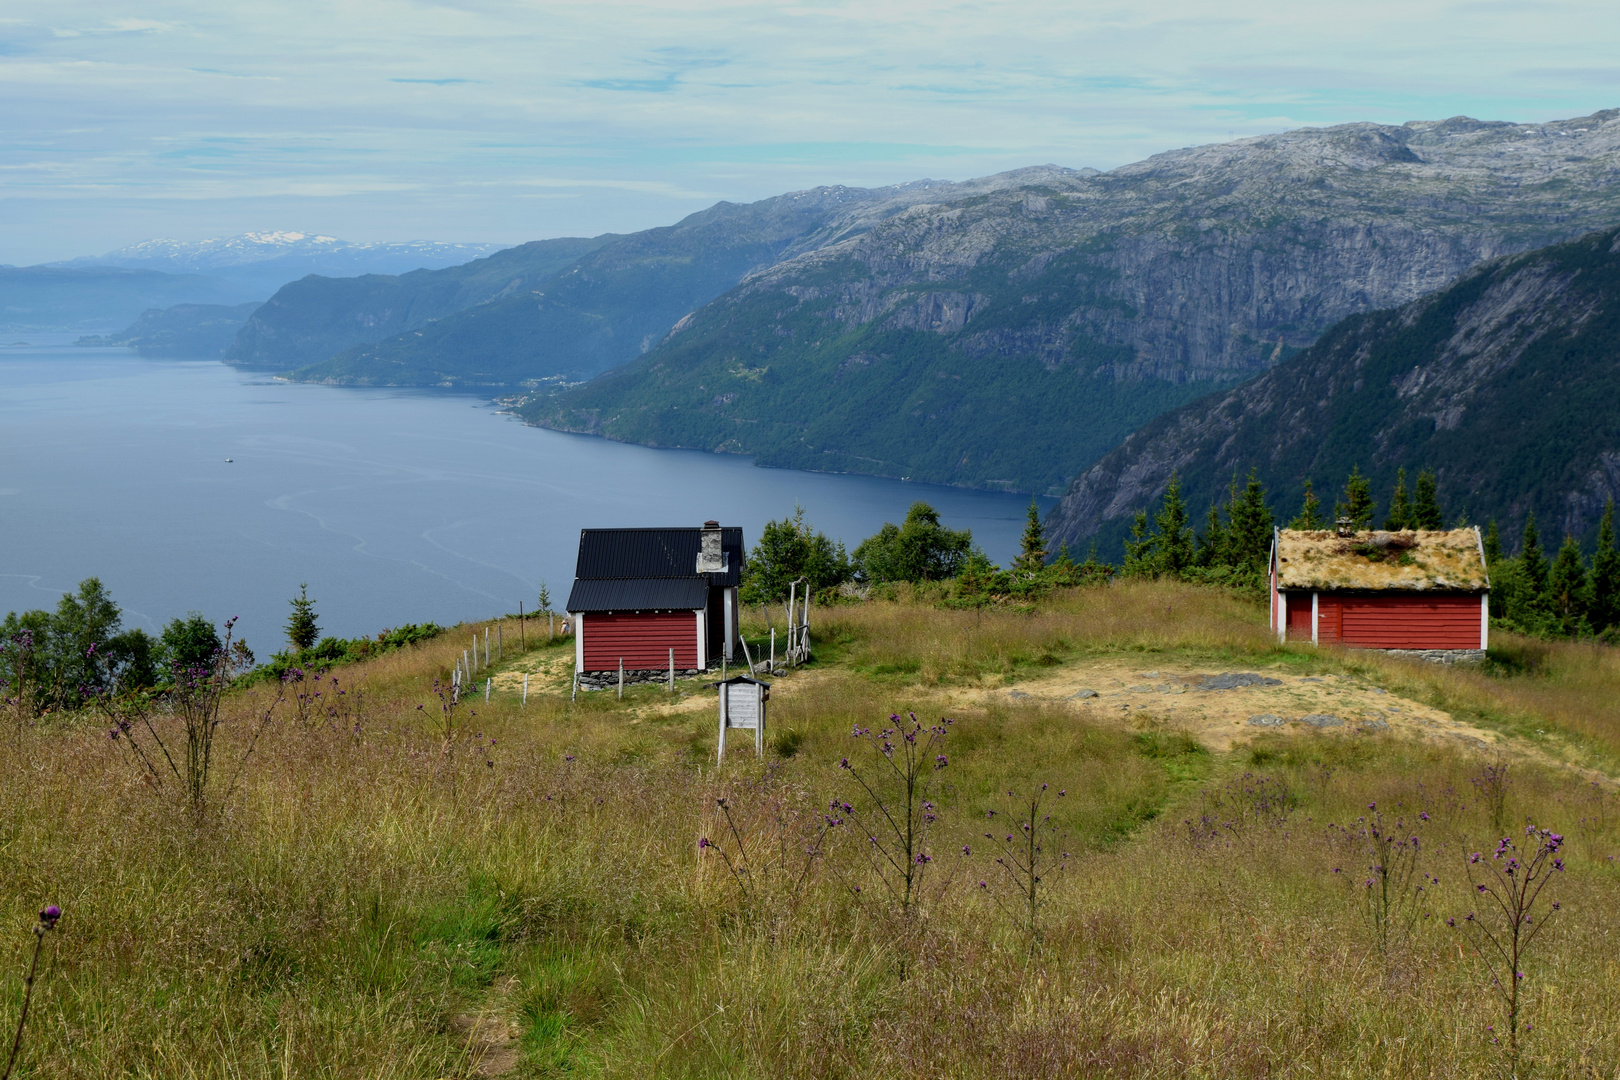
1507 384
1006 333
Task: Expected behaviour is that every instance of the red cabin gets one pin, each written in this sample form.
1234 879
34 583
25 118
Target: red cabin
1415 591
640 593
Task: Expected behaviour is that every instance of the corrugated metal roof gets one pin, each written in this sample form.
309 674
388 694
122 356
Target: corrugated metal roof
1416 560
623 554
644 594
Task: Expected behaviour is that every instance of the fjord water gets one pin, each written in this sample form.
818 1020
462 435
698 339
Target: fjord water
394 505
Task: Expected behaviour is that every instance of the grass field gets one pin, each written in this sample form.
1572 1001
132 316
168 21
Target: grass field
393 892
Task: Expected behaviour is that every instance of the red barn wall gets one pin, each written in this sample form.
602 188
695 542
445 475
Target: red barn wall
642 641
1400 621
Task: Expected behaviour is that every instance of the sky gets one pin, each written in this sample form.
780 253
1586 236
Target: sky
498 122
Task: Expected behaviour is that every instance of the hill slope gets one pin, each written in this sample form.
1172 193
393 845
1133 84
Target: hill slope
614 303
315 317
1007 333
197 330
1507 384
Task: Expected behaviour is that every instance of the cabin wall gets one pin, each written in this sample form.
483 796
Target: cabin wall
1411 621
1386 621
642 640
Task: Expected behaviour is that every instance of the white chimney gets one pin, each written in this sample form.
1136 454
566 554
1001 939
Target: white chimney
711 560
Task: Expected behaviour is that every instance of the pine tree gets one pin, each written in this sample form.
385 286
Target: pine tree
1566 587
1212 545
1063 568
302 629
1493 544
1140 548
1400 507
1534 562
1175 554
1249 524
1605 589
1032 559
545 599
1310 512
1358 504
1426 512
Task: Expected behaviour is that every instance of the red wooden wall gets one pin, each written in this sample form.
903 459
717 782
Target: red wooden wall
1395 620
642 641
1299 616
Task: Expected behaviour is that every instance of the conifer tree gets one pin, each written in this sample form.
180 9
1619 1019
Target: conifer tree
1249 524
1032 558
1426 512
302 629
1493 543
1175 552
1310 512
545 599
1605 589
1139 549
1566 587
1212 545
1400 506
1534 562
1358 502
1063 568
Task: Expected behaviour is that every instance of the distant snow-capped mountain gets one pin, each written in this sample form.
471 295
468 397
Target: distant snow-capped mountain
320 254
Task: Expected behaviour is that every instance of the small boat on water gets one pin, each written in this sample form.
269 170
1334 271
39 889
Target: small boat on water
229 460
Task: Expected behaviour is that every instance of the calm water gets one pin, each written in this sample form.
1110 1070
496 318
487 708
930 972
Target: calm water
395 506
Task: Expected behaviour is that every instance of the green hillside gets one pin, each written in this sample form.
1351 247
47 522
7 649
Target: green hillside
1506 385
798 390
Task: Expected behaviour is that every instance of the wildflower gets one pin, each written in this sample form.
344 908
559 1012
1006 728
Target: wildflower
965 850
49 916
703 842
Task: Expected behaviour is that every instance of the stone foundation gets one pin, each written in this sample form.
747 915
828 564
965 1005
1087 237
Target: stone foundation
1442 656
609 680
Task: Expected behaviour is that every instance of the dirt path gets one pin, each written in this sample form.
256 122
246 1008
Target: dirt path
491 1034
1219 708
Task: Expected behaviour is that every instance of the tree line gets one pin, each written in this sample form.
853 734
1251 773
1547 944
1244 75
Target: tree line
1570 595
63 659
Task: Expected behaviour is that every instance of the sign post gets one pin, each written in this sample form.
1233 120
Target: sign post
742 706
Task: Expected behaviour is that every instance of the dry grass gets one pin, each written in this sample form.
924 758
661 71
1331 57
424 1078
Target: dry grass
366 890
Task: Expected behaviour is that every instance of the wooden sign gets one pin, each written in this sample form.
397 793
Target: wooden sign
742 706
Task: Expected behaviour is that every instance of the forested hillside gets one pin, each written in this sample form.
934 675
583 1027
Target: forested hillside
1506 385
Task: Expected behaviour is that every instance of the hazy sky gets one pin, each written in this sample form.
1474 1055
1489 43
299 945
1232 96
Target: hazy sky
509 121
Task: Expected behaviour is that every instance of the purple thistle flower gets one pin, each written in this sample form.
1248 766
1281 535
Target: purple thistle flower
49 916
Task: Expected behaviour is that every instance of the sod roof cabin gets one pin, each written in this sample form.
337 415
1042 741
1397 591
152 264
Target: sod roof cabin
1416 590
640 593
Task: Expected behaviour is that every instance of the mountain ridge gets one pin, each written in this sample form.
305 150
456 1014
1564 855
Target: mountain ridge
1506 384
1009 335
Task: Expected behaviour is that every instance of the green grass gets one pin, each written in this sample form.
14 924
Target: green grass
360 898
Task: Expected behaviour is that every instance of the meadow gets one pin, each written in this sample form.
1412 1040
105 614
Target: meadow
393 886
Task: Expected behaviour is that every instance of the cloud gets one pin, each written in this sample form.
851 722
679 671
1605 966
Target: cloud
579 115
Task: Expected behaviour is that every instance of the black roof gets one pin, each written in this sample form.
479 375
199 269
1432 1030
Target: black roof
644 594
649 569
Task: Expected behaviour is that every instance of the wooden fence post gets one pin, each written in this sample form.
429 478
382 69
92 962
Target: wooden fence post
525 690
523 630
672 671
621 678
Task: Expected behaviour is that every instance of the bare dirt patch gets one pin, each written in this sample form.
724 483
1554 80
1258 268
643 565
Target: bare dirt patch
1221 707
